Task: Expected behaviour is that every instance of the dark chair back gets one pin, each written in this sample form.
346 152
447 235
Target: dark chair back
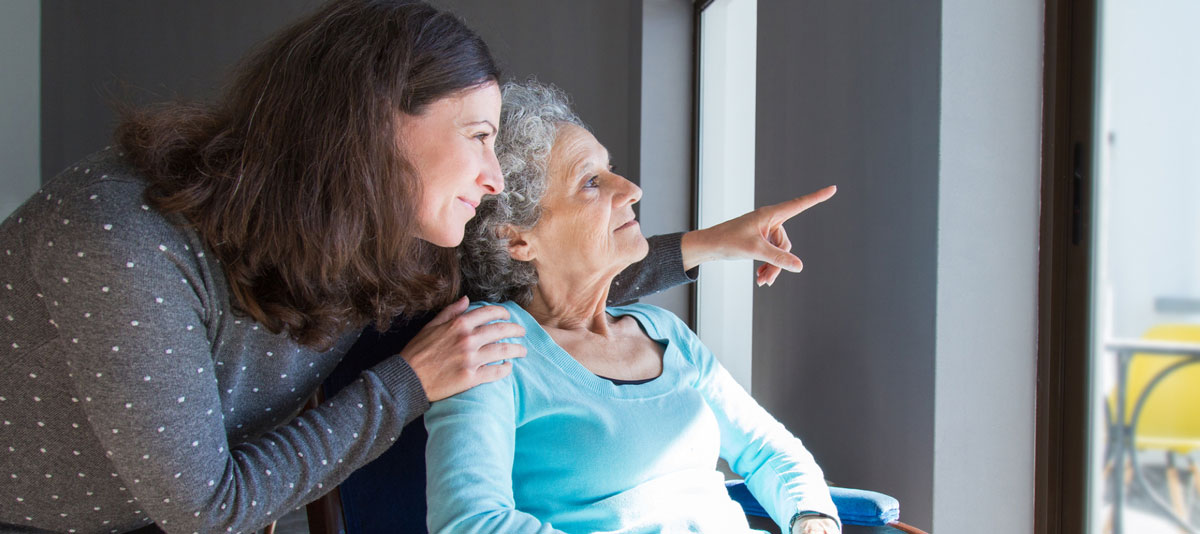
388 494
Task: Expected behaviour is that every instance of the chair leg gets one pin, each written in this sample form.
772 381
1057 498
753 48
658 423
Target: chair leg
1195 474
325 514
1128 473
905 528
1108 469
1175 488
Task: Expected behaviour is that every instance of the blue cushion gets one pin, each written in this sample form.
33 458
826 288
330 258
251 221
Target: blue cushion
855 506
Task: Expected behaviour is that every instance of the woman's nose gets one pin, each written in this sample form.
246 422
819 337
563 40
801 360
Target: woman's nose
490 177
632 193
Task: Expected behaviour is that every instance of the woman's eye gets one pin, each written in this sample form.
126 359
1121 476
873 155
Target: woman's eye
482 136
592 182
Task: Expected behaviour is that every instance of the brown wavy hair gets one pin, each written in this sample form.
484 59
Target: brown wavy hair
294 177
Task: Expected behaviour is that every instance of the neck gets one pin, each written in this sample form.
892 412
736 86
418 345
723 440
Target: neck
571 304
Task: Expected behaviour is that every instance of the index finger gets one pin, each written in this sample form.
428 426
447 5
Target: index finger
790 208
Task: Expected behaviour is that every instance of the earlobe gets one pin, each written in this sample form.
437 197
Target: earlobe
518 247
520 250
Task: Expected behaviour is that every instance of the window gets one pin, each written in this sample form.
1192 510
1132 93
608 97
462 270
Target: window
724 293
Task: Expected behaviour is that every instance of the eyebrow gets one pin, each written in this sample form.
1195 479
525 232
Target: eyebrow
485 121
585 163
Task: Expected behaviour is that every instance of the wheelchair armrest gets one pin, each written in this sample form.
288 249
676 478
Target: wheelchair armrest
855 506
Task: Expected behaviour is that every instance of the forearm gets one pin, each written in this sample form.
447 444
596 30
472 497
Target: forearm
698 246
780 472
379 404
663 268
189 477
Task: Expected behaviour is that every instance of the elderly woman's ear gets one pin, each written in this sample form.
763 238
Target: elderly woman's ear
518 247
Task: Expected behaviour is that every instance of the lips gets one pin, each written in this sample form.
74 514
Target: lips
471 203
630 224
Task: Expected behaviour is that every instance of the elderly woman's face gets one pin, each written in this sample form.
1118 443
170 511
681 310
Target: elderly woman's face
587 225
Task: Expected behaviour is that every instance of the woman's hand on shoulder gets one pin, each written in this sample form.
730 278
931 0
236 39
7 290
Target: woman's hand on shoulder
758 235
457 351
815 524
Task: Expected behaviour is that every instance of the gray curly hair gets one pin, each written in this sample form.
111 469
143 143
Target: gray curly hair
530 118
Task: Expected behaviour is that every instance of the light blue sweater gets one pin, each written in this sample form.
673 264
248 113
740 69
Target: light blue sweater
555 448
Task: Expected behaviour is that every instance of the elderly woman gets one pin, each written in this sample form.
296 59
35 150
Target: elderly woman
614 420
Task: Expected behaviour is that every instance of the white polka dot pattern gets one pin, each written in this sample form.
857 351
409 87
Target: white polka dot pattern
130 396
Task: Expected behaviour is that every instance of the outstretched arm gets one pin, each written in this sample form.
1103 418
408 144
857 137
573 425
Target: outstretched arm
662 269
779 470
758 235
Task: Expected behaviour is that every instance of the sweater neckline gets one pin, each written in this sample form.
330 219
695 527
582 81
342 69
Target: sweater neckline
539 340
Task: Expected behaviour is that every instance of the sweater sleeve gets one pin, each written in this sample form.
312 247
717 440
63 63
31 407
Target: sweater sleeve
779 471
129 299
468 463
661 269
378 406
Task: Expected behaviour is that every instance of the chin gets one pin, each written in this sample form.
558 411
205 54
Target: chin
444 240
643 248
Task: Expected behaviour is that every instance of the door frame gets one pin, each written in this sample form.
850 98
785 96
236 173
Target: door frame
1065 271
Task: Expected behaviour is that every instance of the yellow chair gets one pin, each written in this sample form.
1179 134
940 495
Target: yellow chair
1170 418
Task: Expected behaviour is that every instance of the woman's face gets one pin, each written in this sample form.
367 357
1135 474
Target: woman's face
452 147
587 225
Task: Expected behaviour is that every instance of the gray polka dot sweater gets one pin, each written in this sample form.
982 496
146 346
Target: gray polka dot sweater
130 391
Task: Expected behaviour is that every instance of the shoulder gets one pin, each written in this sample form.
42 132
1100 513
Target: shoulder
516 314
106 171
664 324
99 202
484 400
91 223
663 321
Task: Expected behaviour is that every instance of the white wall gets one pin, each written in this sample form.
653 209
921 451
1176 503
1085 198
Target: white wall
20 85
725 290
1149 180
988 210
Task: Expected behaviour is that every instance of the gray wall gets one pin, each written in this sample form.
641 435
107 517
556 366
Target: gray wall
20 26
665 118
589 48
148 50
141 50
844 351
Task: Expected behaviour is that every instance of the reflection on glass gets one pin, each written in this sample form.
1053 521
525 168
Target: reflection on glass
1146 311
